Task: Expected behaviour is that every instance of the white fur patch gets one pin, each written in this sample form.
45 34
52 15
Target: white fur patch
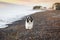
28 25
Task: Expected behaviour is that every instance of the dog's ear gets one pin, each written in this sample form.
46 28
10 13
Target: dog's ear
27 20
31 18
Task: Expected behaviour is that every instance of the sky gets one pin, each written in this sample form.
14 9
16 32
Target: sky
31 2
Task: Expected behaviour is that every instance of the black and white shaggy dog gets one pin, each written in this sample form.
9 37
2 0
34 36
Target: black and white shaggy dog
29 22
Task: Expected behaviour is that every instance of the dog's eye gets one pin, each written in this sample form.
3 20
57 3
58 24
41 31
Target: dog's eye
27 20
31 20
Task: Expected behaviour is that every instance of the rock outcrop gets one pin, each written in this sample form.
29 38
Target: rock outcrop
56 6
37 7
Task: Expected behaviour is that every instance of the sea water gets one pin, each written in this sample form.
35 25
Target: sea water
11 13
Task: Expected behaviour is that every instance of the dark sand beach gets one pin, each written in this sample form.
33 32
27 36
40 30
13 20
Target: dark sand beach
46 27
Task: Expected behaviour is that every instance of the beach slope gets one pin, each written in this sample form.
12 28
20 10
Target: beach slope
46 27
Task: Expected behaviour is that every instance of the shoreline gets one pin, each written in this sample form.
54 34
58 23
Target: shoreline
46 27
17 19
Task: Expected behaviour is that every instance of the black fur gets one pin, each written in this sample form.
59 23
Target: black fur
29 18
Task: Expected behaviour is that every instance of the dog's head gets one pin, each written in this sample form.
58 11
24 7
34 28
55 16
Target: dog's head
29 18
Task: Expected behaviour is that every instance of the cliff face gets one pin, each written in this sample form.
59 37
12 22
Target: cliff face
46 27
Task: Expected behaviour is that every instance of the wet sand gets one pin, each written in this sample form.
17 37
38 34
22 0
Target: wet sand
46 27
